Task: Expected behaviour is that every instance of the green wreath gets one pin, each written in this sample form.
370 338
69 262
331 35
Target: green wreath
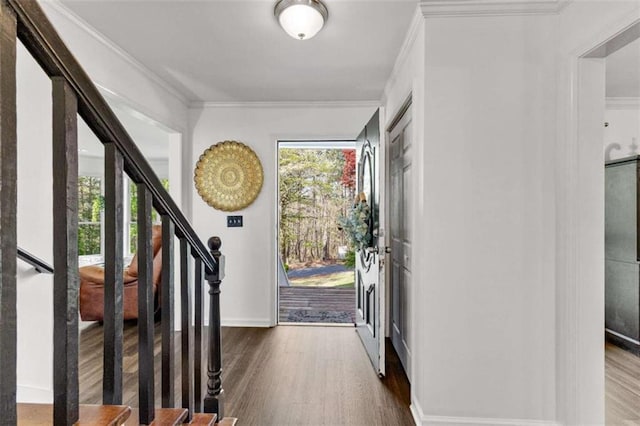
356 225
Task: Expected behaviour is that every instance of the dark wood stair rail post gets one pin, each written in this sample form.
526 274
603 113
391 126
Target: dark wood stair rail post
213 401
8 217
65 253
146 384
112 381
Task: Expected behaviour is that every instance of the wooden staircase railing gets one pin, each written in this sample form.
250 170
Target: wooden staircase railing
74 94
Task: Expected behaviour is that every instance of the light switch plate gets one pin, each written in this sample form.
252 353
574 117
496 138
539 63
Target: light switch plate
234 221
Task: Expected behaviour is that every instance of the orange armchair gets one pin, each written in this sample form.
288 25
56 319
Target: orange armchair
92 284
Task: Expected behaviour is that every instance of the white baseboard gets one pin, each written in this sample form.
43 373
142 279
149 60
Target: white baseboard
34 395
244 322
422 419
415 412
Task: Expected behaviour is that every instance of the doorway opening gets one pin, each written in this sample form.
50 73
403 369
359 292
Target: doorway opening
622 238
316 187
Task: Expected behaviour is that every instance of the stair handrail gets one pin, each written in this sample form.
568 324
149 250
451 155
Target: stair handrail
75 94
43 42
39 264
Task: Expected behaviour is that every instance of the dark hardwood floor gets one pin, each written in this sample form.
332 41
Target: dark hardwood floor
622 387
287 375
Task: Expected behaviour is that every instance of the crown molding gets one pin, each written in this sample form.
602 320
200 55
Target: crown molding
287 104
453 8
124 55
623 103
405 49
137 110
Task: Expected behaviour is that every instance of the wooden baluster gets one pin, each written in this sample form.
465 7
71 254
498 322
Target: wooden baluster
167 313
65 253
145 307
8 203
186 329
199 308
213 402
113 269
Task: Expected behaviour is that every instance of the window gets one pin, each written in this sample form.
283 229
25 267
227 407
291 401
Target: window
91 219
133 214
90 204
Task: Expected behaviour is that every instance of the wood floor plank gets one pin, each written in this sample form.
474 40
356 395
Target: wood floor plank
287 375
311 376
622 387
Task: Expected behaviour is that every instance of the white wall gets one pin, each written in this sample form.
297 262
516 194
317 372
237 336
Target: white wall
622 135
35 291
488 219
248 289
484 116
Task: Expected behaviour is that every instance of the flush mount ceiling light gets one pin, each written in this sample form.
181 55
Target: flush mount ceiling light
301 19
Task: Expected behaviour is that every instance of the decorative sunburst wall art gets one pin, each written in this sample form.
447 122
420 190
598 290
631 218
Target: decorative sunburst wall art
228 176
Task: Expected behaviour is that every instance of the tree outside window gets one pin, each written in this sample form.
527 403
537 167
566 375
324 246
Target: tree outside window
133 214
90 203
90 218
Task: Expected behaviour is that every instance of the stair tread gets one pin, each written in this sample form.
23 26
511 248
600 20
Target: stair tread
227 421
105 415
164 417
203 419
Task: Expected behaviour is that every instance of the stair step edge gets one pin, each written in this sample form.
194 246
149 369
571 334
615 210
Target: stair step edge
227 421
204 419
164 417
30 414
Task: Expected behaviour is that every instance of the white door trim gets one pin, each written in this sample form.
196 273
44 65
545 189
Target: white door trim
580 236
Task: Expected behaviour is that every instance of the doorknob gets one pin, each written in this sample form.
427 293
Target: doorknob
376 249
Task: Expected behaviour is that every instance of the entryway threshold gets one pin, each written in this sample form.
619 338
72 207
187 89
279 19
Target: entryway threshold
319 324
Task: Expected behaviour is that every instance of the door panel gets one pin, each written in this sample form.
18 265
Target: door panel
370 287
400 232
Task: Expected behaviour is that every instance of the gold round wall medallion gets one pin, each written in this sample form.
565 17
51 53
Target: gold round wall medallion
228 176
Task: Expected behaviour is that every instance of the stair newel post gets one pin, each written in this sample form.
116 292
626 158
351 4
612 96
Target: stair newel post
213 401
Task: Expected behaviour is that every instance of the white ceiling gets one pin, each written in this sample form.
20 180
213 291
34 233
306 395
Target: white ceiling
235 51
623 72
